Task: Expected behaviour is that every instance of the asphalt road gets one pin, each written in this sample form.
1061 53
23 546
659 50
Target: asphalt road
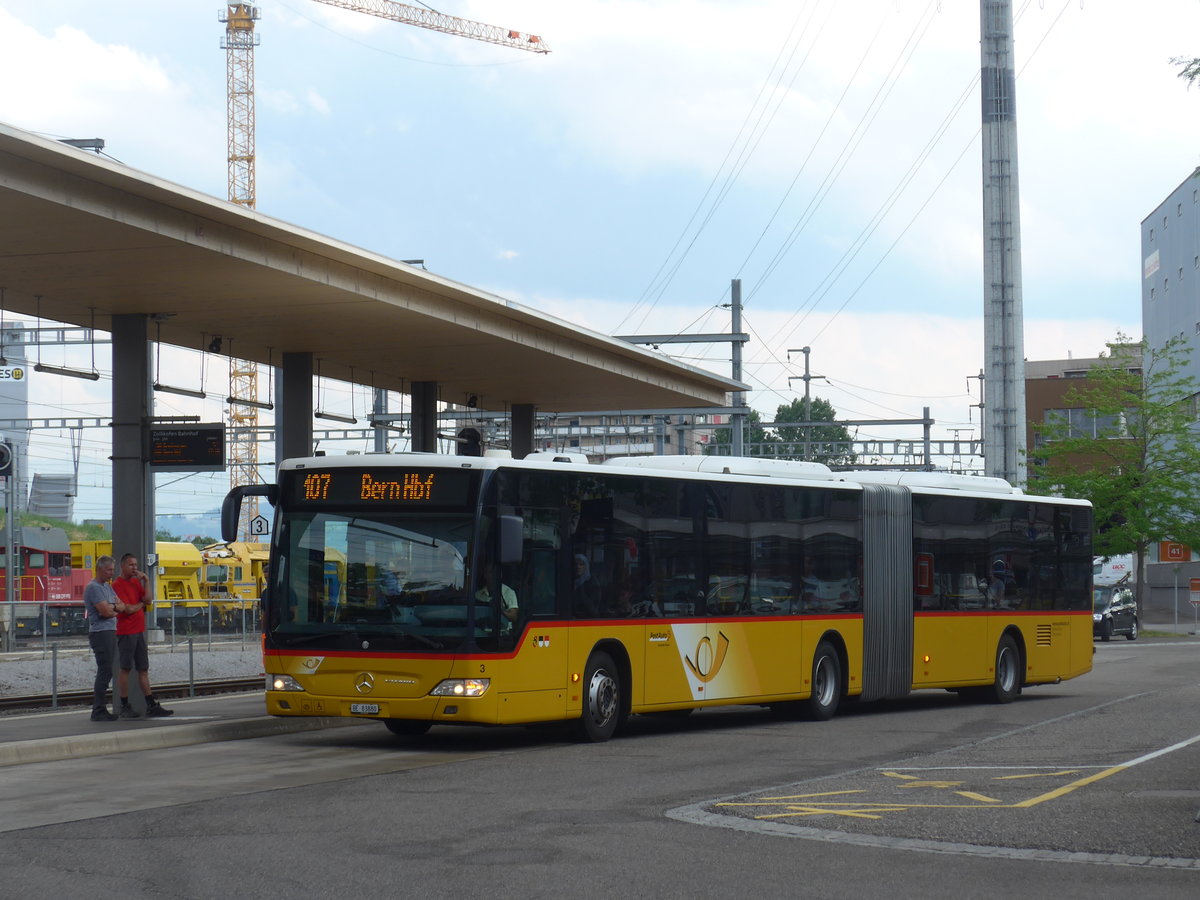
1085 789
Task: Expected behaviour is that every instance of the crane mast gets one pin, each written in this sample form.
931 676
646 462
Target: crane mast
239 43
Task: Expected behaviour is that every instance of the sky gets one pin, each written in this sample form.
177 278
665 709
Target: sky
825 153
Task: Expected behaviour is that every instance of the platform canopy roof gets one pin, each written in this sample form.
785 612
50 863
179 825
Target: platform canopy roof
95 238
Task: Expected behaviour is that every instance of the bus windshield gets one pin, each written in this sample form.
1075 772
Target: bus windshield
374 582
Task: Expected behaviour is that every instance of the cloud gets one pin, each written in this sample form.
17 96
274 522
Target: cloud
148 117
507 254
317 103
282 101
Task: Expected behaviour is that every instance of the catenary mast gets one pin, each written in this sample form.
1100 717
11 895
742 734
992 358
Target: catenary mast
1004 440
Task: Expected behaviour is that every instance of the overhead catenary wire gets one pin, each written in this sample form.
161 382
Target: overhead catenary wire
856 247
668 268
859 243
841 267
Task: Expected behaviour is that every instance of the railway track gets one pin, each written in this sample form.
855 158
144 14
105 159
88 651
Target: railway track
168 691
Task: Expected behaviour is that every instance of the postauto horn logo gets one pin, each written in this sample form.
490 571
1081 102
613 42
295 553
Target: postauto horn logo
708 662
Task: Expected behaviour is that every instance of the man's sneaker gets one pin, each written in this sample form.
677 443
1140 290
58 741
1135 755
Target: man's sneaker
159 711
128 712
102 715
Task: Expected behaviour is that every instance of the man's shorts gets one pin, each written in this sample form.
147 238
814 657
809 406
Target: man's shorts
131 652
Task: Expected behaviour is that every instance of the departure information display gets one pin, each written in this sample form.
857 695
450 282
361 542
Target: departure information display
380 486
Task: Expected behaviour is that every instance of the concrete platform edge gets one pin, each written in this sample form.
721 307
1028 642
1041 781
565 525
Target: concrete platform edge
85 746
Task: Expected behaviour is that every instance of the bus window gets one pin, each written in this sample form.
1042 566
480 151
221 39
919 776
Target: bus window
726 550
537 577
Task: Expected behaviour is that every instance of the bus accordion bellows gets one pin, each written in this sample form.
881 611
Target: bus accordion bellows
423 589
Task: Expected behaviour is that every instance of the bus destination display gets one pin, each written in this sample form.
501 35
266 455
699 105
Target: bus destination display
384 487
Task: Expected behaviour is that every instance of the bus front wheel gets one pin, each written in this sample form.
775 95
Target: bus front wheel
601 700
407 727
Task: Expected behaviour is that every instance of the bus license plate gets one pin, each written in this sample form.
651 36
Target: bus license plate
370 709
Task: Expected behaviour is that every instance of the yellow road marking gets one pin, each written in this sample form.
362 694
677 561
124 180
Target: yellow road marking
809 796
863 813
1067 788
792 809
971 795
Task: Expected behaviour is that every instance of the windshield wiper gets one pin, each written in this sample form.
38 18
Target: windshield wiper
294 638
391 631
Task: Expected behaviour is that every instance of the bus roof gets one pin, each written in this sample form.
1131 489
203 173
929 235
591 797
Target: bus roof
695 466
944 480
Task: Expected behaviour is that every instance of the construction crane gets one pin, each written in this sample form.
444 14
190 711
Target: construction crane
239 43
428 18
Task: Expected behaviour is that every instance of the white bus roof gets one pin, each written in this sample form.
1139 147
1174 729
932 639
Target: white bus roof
729 465
945 481
722 467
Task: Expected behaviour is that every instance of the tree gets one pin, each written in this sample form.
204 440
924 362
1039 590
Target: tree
756 438
828 444
1189 69
1132 449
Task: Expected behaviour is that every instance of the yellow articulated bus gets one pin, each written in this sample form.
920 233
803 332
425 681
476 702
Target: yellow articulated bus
424 590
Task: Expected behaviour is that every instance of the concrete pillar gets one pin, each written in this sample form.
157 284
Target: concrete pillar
133 481
132 405
379 408
424 416
522 429
293 424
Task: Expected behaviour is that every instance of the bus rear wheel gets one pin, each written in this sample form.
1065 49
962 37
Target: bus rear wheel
1007 684
407 727
601 700
826 683
826 694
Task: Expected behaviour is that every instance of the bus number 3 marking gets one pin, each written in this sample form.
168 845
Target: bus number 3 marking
708 663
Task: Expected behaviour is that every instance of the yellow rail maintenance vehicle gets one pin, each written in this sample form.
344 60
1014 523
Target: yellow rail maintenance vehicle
233 579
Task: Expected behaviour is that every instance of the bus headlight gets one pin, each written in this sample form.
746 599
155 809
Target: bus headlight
462 687
282 683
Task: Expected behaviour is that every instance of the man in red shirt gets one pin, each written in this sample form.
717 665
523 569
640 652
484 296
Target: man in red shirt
133 591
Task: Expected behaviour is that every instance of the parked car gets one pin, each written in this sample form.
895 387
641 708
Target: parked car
1114 611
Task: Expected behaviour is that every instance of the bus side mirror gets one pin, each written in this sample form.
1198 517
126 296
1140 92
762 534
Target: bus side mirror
512 537
231 506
